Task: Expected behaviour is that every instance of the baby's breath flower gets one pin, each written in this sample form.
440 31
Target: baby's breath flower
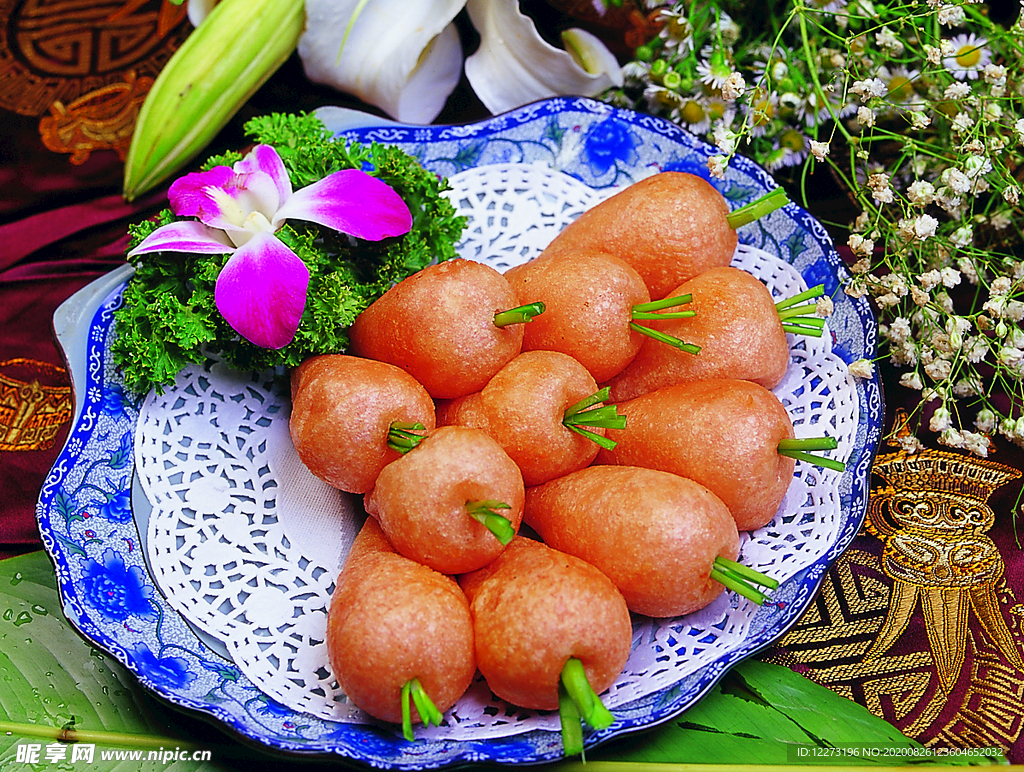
978 444
921 192
872 87
956 91
880 190
925 226
862 368
985 421
912 380
940 420
962 236
819 149
824 306
717 164
733 87
950 277
865 117
951 15
956 180
899 330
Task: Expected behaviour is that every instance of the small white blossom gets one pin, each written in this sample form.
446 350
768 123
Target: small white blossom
952 16
819 149
978 444
865 117
920 120
951 438
940 420
880 190
1011 194
938 369
933 55
733 87
1019 128
994 74
824 307
957 90
957 181
962 123
921 192
862 368
717 164
910 444
985 421
1001 286
975 349
872 87
962 236
925 226
899 330
930 280
912 380
968 269
726 139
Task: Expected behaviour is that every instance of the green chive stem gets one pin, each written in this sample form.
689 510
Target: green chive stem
758 208
816 291
518 315
590 707
647 310
403 436
689 348
808 443
737 585
593 399
571 721
583 413
425 707
816 460
800 329
604 442
746 572
483 512
791 311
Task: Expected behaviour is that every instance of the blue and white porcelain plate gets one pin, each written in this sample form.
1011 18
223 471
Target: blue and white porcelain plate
89 510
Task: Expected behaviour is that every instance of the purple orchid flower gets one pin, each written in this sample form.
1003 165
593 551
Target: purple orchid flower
261 291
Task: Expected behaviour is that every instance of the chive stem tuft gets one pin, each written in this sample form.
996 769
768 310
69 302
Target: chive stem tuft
483 512
518 315
403 436
689 348
758 208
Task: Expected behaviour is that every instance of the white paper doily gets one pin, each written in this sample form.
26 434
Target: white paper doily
246 544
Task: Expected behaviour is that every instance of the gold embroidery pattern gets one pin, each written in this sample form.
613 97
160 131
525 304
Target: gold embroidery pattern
101 120
55 51
32 412
923 630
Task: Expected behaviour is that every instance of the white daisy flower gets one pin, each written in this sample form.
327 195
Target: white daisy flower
714 71
969 56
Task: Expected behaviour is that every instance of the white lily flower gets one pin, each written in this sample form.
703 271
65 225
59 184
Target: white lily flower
514 65
402 57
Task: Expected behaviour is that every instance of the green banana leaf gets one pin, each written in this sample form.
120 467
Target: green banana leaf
53 681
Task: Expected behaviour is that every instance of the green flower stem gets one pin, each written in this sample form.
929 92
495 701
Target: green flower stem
755 210
583 413
428 712
796 448
118 739
518 315
404 436
647 310
499 525
582 695
814 292
689 348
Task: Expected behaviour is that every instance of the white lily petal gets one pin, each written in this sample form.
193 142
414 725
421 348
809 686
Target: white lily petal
198 10
403 57
592 54
514 65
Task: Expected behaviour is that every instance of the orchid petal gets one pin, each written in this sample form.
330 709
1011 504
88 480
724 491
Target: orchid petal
403 57
261 291
350 201
223 197
185 236
514 65
264 158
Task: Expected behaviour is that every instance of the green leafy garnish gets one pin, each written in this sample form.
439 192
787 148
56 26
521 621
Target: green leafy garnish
169 319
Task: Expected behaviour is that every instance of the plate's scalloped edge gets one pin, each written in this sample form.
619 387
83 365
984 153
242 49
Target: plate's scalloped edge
348 742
